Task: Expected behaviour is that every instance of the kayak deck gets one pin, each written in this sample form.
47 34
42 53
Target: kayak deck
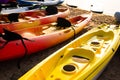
32 18
28 15
82 55
81 59
43 37
48 28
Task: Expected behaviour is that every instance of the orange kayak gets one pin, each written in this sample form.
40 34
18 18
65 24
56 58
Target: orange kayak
43 37
32 18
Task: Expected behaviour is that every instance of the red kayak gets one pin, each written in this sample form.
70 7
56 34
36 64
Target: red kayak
42 37
32 18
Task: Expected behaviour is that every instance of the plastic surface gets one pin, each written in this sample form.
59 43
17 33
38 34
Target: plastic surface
39 42
33 18
81 59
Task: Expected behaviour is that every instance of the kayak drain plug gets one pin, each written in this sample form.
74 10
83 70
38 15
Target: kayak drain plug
69 68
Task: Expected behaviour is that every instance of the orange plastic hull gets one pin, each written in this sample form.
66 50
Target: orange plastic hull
35 19
15 49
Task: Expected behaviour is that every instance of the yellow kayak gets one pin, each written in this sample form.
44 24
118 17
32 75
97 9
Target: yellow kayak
82 59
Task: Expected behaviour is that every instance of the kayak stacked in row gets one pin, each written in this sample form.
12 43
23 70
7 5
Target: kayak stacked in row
32 18
40 2
21 3
26 41
82 59
8 10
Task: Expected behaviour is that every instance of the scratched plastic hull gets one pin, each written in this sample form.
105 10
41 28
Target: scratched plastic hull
81 59
35 18
46 2
15 49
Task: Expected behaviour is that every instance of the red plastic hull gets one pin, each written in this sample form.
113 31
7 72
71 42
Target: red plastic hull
15 49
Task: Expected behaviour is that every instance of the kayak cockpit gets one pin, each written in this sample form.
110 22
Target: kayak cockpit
48 28
30 15
74 61
98 41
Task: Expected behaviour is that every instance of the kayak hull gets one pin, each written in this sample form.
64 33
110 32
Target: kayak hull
49 2
81 59
35 19
39 42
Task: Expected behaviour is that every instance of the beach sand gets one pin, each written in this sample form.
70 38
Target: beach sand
10 71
